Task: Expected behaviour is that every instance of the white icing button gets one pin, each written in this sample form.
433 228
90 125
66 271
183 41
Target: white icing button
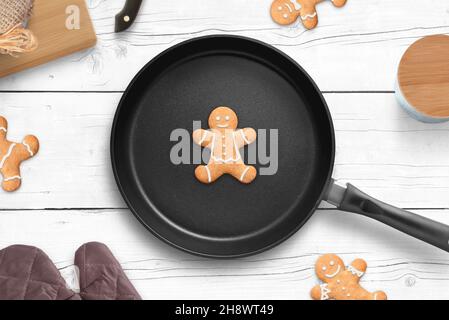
285 15
126 18
217 118
332 263
343 288
338 281
227 118
348 295
280 8
324 268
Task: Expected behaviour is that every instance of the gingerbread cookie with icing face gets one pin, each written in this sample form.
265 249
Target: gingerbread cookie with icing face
341 283
12 155
224 140
286 12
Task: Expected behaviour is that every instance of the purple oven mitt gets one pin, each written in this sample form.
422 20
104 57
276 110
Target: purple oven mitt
27 273
101 276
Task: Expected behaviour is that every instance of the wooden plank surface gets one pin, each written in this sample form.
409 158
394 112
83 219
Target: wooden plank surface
356 48
69 196
55 39
379 148
403 267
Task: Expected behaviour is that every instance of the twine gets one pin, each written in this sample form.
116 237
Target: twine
17 40
14 38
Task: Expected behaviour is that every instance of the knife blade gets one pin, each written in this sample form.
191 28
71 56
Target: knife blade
125 18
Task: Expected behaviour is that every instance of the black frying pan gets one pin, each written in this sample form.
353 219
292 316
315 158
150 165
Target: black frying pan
267 89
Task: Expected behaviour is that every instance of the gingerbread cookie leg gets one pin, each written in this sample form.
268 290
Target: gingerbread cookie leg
243 173
309 15
11 179
379 295
208 174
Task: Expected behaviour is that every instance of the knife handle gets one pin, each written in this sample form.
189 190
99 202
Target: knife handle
125 18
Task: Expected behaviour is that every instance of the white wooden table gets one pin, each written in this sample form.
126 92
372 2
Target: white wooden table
69 195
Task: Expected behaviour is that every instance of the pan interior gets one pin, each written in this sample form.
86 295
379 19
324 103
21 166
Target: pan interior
225 218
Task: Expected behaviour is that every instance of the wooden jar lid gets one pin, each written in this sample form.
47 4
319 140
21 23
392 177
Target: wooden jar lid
423 78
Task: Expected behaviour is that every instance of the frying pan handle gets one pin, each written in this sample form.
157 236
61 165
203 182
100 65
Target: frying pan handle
352 199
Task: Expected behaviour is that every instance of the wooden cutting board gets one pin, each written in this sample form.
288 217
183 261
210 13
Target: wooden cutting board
55 40
423 79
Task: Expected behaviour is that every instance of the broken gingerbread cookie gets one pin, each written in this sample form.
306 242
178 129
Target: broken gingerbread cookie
286 12
224 141
12 155
341 283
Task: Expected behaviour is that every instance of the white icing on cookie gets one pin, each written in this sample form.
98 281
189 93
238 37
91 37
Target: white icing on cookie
203 137
355 272
208 174
11 147
244 137
244 173
220 158
333 274
13 178
28 148
289 8
308 16
296 4
3 129
324 291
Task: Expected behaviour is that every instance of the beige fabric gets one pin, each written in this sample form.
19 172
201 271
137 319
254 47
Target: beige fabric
13 13
14 38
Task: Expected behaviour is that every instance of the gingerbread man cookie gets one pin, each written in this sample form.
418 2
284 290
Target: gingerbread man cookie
12 155
287 11
341 283
224 141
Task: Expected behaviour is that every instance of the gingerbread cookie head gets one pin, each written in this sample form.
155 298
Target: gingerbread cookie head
223 118
328 267
284 12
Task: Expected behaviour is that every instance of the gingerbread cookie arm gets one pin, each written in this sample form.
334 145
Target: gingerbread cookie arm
320 292
3 128
245 136
202 137
339 3
358 268
28 148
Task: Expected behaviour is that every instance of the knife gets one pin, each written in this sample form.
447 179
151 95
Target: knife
125 18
